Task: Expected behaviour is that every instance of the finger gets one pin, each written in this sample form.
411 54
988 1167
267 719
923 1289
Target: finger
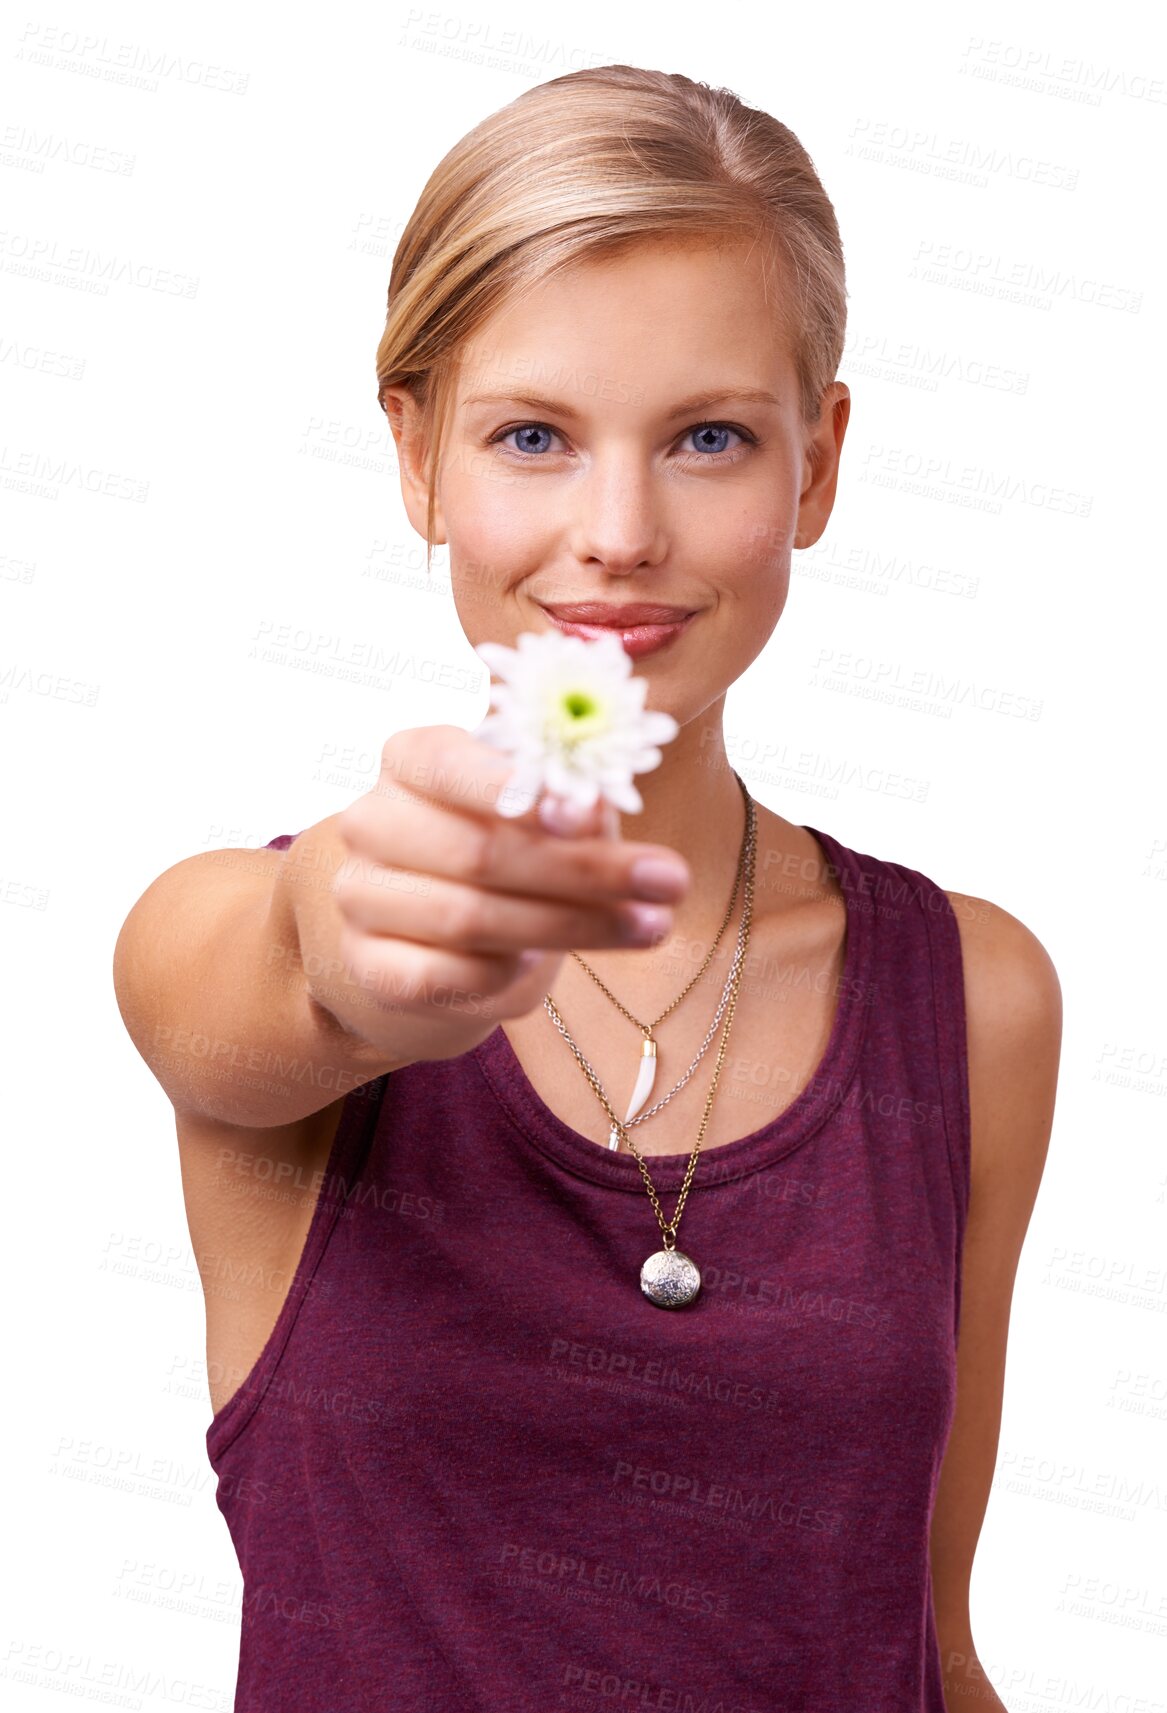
401 975
469 919
448 766
444 766
609 819
569 819
561 816
412 838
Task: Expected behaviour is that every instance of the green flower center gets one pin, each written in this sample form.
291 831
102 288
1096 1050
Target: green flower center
577 714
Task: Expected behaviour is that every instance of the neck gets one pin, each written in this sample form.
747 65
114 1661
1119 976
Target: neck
694 805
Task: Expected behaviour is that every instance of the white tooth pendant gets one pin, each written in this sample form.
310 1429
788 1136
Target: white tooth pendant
645 1077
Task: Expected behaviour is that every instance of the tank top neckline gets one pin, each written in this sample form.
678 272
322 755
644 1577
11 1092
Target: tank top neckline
729 1162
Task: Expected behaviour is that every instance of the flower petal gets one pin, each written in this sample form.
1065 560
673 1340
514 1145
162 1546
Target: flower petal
498 657
571 713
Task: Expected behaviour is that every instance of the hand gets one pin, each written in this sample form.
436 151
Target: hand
454 917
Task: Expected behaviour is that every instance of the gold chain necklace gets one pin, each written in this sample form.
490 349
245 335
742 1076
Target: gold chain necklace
646 1072
614 1130
669 1278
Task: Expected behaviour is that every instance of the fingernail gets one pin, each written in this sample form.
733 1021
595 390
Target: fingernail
559 815
657 877
647 921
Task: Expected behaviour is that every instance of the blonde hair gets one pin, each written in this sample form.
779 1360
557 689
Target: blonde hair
580 167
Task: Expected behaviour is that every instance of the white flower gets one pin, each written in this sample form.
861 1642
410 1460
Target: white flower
571 714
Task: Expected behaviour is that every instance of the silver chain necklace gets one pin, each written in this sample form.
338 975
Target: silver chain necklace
669 1278
637 1097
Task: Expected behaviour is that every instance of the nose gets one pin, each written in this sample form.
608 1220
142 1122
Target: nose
618 521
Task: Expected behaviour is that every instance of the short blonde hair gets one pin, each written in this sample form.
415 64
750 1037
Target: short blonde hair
585 165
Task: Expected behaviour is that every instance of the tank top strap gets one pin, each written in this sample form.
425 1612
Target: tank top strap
352 1145
917 977
946 962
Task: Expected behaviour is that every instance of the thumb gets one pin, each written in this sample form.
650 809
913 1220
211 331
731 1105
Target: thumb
567 819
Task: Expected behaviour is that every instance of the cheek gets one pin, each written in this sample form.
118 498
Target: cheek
755 579
747 521
755 554
490 512
490 542
765 539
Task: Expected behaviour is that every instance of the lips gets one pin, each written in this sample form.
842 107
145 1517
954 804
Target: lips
617 617
642 629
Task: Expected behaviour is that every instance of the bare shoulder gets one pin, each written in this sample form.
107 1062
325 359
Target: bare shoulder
1013 1006
1004 960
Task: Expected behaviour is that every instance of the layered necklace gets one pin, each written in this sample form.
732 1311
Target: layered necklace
668 1277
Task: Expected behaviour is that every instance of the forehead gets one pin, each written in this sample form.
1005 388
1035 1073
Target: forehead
646 317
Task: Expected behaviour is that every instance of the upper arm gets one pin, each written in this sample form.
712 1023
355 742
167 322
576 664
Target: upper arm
165 951
250 1195
1013 1010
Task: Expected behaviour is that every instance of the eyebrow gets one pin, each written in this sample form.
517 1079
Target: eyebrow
695 401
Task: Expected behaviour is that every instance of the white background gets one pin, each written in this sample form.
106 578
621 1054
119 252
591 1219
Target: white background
965 687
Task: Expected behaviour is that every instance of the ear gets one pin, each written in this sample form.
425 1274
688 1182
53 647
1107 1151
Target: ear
407 427
824 443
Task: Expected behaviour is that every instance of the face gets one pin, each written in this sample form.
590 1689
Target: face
630 434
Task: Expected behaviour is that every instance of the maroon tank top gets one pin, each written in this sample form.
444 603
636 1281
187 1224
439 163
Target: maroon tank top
474 1468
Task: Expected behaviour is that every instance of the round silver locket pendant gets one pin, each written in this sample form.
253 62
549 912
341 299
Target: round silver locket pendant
670 1279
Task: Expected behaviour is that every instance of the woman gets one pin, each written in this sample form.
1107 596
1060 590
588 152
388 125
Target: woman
464 1459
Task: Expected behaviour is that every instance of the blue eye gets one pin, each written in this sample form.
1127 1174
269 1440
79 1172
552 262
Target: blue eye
710 432
530 432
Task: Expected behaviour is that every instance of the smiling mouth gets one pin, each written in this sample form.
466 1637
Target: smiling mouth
617 615
637 639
